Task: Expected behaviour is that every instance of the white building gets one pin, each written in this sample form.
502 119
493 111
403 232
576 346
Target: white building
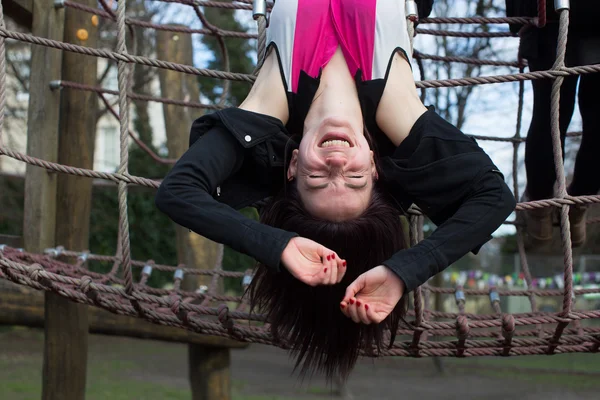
106 155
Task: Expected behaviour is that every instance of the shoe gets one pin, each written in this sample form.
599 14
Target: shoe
537 225
577 221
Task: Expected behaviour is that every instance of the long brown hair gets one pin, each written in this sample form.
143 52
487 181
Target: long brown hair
308 319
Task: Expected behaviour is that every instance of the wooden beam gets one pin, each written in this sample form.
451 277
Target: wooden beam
11 240
39 226
20 11
209 371
66 322
23 306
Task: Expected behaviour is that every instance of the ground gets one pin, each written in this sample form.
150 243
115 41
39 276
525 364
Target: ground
125 369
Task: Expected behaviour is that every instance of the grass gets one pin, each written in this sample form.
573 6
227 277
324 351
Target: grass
125 370
547 370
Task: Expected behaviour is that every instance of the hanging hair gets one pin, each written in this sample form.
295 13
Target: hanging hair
308 319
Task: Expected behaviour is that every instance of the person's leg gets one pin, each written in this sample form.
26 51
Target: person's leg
539 156
586 180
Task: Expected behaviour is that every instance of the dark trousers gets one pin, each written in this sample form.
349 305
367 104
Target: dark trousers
539 158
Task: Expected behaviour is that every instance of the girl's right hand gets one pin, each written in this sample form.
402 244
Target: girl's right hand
312 263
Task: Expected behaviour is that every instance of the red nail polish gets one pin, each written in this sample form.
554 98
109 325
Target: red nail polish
366 307
358 303
329 257
333 256
351 301
344 264
343 306
325 270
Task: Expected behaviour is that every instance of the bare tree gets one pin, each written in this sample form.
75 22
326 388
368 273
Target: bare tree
452 103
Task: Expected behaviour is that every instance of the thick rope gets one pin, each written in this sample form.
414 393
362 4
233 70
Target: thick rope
561 189
2 75
124 86
176 308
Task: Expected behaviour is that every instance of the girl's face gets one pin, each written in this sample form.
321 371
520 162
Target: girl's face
334 169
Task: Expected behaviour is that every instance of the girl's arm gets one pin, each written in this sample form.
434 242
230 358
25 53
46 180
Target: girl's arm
445 173
457 185
185 195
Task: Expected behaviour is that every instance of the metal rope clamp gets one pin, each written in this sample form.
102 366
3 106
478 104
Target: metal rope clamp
54 252
494 296
178 274
147 270
83 256
459 295
412 11
560 5
247 279
259 7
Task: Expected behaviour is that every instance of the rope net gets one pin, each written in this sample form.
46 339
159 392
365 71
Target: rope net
428 333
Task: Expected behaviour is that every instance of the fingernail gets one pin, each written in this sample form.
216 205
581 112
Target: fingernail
333 256
344 264
366 307
358 303
351 301
343 306
328 257
325 270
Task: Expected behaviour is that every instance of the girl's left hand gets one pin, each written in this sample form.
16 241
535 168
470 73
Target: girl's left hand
372 296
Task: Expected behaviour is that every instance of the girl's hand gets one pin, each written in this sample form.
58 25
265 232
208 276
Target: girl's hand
372 296
312 263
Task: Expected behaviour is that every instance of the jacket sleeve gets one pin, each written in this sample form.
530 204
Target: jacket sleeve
459 188
478 216
185 195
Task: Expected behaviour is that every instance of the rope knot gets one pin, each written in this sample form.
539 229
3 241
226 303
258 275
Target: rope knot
226 321
34 271
85 284
462 328
174 303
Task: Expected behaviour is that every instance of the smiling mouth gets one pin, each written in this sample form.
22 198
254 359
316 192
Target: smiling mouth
335 140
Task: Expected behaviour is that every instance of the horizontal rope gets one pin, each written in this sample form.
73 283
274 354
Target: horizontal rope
478 20
438 32
551 74
135 96
168 311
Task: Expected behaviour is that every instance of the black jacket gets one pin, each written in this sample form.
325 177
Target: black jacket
236 158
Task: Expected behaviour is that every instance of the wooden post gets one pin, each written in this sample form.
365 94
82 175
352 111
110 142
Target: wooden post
66 323
208 367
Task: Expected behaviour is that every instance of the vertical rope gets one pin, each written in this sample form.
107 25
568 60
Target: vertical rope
516 144
261 43
2 75
561 191
124 81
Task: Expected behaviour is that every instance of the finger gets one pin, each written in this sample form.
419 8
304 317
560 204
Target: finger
335 270
344 308
341 269
355 287
353 311
372 315
328 269
361 311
